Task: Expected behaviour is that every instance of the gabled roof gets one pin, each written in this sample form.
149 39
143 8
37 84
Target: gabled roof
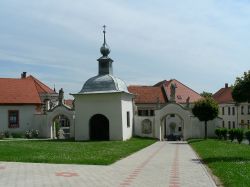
41 88
182 91
147 94
22 91
224 95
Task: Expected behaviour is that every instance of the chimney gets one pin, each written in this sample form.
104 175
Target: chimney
23 75
226 85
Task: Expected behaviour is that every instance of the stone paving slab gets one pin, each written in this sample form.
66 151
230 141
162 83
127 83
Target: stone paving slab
168 164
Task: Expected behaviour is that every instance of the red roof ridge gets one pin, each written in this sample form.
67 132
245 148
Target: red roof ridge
41 85
186 86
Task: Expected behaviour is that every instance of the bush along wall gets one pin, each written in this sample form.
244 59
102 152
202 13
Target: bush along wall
232 134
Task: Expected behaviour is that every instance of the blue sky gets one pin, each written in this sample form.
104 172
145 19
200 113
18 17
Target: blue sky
203 44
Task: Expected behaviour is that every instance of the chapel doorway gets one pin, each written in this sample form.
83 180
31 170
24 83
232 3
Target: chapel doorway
61 127
99 127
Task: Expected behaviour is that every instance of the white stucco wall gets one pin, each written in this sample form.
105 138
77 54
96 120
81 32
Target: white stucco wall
112 105
26 113
138 126
237 118
127 106
191 126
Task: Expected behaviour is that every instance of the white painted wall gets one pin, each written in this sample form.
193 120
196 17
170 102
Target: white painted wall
112 105
127 106
138 126
26 113
237 117
192 127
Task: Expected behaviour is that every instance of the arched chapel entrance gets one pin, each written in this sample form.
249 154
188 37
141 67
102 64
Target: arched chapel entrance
99 127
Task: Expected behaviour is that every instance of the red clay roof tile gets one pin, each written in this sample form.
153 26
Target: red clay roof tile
224 95
22 91
182 91
147 94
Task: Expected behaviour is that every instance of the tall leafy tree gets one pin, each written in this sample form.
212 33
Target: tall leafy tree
206 94
205 109
241 88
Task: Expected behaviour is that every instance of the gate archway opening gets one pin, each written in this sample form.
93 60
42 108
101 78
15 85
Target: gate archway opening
172 127
99 127
61 127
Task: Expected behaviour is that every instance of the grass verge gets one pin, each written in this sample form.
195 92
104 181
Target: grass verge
228 161
70 152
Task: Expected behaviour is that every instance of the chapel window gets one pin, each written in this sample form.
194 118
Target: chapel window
233 111
229 110
128 119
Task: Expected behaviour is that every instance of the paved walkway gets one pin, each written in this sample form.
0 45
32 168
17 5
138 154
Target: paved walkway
168 164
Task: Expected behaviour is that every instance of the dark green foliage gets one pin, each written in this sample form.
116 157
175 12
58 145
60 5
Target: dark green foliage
6 134
206 94
239 133
205 109
17 135
241 89
247 134
232 134
218 133
228 161
224 133
70 152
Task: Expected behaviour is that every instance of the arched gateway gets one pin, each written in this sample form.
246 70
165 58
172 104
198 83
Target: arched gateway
99 127
173 119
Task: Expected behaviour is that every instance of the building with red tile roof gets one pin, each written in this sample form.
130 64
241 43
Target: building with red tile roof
160 93
20 100
22 91
148 94
234 115
224 95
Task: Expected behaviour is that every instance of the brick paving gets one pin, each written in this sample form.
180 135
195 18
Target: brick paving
166 164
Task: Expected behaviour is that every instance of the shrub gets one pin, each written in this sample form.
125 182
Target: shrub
239 133
1 135
232 134
218 133
6 134
35 133
224 133
28 134
31 134
17 135
247 134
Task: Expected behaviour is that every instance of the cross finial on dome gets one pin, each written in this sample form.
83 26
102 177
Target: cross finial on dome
104 32
104 49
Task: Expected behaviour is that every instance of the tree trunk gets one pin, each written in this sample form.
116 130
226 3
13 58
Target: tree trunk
205 129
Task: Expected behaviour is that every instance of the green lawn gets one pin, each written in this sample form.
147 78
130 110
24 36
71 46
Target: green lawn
70 152
229 161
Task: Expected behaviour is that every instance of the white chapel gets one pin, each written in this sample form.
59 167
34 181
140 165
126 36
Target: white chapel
104 107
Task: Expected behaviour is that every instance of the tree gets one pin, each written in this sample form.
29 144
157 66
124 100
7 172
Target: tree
205 109
206 94
241 88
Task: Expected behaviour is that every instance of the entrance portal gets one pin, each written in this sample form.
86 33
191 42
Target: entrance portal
99 127
173 127
61 127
